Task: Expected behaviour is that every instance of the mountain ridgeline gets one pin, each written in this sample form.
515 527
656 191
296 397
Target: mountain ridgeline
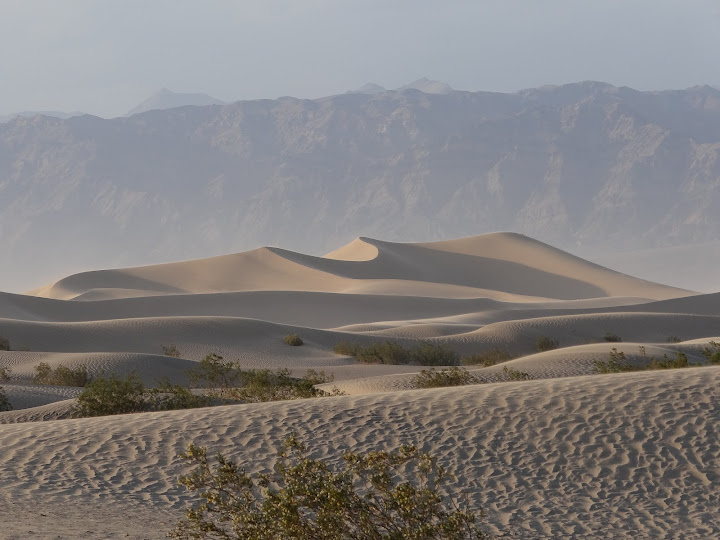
580 165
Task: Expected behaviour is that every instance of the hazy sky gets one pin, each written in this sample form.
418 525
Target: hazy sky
105 56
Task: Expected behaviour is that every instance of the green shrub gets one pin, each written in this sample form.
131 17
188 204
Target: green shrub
171 350
618 363
424 354
544 343
214 372
4 344
452 376
391 495
486 358
612 338
512 374
294 340
5 374
4 401
346 348
258 385
61 375
673 339
712 352
122 395
112 395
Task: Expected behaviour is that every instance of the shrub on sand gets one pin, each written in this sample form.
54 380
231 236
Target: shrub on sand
393 495
294 340
426 353
61 375
4 401
452 376
545 343
4 344
486 358
171 350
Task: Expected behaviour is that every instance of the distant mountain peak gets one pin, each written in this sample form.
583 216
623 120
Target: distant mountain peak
167 99
428 86
368 88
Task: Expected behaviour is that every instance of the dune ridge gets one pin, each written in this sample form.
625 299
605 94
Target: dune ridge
566 454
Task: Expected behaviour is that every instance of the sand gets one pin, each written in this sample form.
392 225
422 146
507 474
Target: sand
568 454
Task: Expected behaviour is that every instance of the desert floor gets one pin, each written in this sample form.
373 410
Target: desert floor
569 454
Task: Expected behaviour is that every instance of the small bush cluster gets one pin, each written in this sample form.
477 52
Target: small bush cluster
545 343
5 374
392 495
452 376
61 375
612 338
122 395
618 363
294 340
4 401
388 352
512 374
4 344
227 381
712 352
486 358
673 339
171 350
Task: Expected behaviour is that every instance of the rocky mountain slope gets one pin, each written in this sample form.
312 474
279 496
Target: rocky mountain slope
582 166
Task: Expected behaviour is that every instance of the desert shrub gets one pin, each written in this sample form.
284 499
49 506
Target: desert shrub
215 372
122 395
4 401
512 374
4 344
346 348
452 376
612 338
680 361
615 364
171 350
294 340
618 363
424 354
392 495
712 352
112 395
486 358
673 339
544 343
258 385
5 374
61 375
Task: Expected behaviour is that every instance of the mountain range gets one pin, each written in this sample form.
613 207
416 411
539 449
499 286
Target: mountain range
588 167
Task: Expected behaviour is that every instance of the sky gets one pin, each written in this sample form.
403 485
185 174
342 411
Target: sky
105 56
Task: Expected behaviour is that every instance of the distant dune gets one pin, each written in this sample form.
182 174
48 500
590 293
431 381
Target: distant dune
569 453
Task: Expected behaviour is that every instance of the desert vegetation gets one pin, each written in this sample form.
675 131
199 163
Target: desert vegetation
486 358
451 376
544 343
4 344
618 363
294 340
393 495
512 374
217 381
424 354
171 350
712 352
4 401
612 338
5 374
61 375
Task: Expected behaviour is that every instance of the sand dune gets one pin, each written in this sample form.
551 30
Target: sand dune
568 454
588 457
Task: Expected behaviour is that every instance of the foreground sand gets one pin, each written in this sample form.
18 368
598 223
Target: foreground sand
569 454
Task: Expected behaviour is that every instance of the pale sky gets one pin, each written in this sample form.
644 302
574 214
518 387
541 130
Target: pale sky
105 56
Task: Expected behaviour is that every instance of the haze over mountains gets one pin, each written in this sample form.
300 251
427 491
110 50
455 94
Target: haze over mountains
586 167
